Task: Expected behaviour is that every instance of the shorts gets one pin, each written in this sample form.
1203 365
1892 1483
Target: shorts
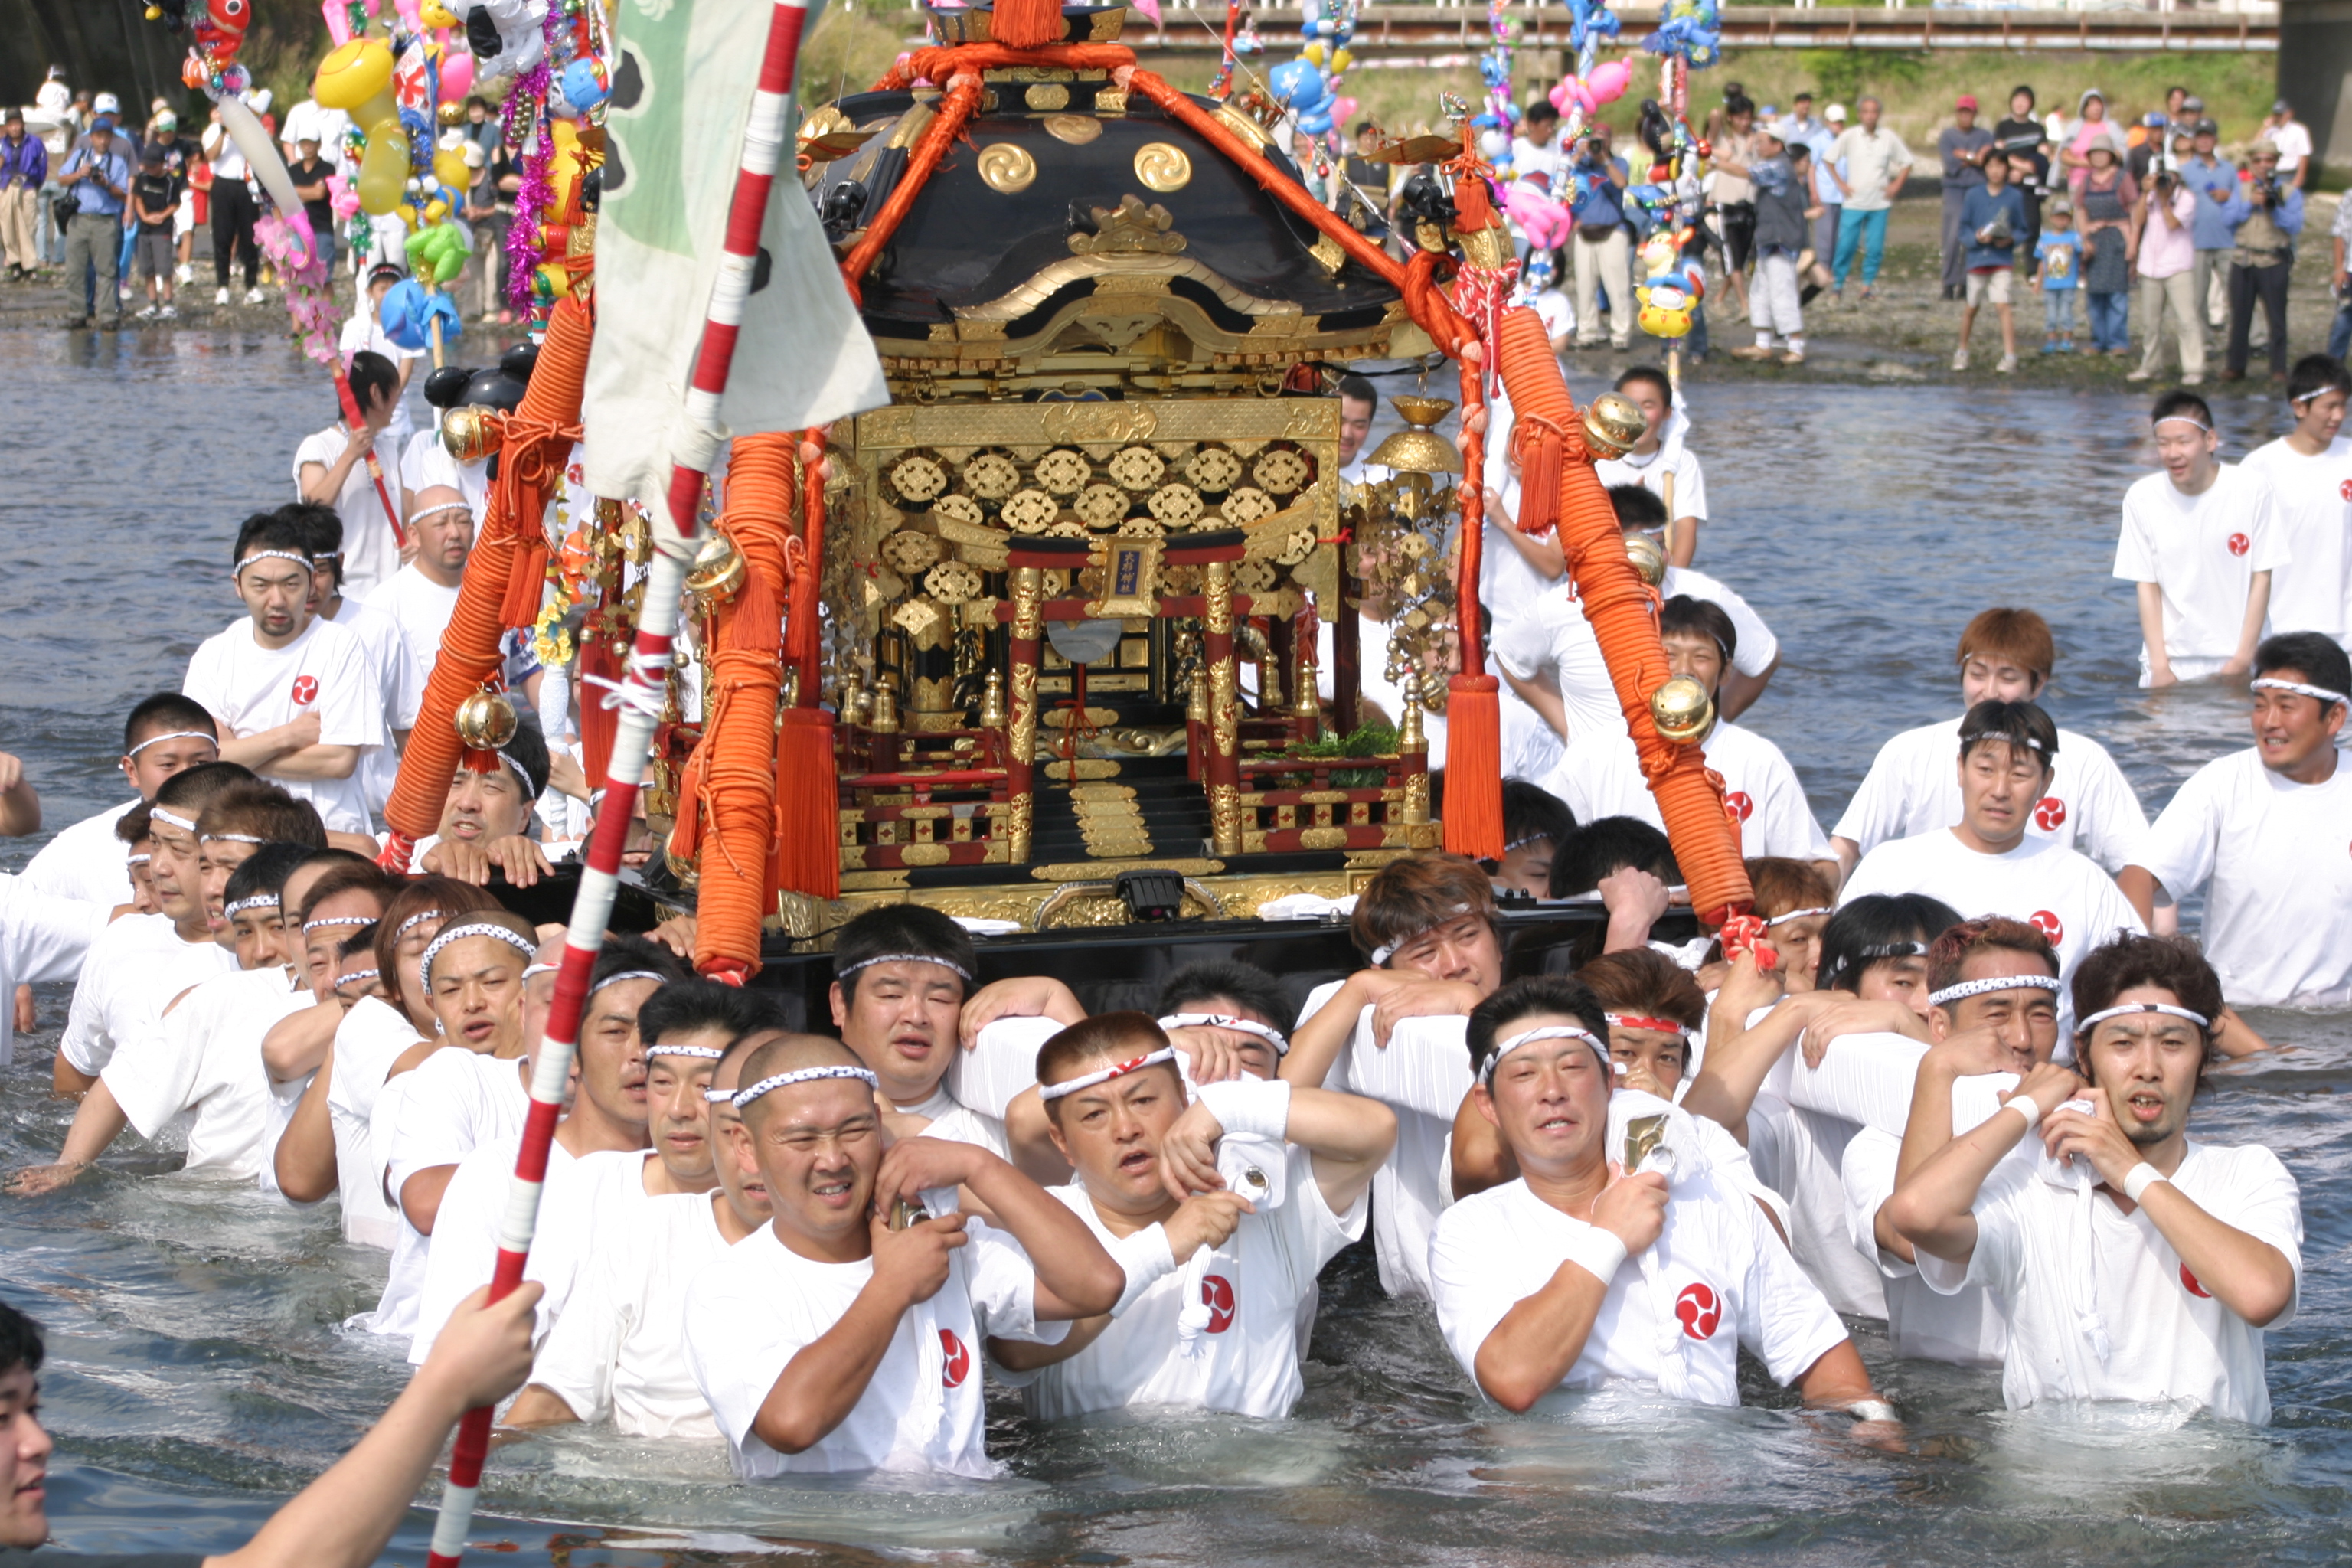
1739 233
1990 284
151 254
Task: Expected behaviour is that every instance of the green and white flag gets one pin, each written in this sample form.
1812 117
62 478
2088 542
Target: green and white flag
683 81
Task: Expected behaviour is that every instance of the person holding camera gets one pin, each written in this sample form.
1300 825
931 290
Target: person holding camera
1603 249
2264 217
2168 276
96 180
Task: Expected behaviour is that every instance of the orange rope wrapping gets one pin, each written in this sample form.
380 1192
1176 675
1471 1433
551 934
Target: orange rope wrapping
807 855
1618 605
955 107
513 544
735 786
1028 24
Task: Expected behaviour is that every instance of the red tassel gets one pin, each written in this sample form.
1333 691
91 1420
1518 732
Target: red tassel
808 805
1472 211
1474 767
1539 458
1026 24
599 725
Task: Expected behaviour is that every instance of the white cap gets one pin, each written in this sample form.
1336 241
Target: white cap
106 103
1835 111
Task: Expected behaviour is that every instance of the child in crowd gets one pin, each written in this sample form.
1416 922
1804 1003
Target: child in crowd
2058 273
154 198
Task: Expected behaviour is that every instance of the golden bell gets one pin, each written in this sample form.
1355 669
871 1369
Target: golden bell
1411 736
991 702
472 433
1648 558
1682 710
1418 449
1611 425
487 720
718 572
885 719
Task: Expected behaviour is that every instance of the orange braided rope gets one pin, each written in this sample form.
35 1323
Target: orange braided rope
736 793
807 858
955 112
1618 605
507 565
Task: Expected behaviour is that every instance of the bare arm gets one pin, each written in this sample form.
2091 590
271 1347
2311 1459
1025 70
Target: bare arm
2151 632
323 483
1076 1277
304 1163
538 1406
1934 1209
2139 885
1837 1380
1734 1069
314 762
343 1519
1541 693
1539 1340
20 804
824 1381
1316 1044
2258 610
1739 689
300 1042
421 1195
1350 1137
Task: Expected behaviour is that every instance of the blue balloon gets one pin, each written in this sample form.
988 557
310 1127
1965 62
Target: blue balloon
581 88
1299 84
407 312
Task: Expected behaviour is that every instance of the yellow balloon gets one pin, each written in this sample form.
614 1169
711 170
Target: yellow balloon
384 171
449 168
558 279
1313 52
352 75
1342 60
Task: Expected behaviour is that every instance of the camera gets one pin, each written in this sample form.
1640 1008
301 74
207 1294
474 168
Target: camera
2267 187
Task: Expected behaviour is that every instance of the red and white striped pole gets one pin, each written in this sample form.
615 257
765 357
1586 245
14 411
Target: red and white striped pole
640 700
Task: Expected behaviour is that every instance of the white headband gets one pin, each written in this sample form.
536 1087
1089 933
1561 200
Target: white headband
1967 988
231 838
174 735
300 560
1120 1070
2272 683
948 964
166 815
348 975
628 974
1271 1036
1386 951
700 1053
744 1097
523 945
413 922
309 926
719 1096
1548 1032
2167 1008
1523 843
531 968
2186 419
258 901
140 860
1797 915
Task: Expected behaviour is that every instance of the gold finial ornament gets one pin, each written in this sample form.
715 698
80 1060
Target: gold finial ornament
487 720
1649 558
1196 708
470 432
991 702
1007 168
884 720
1411 737
1418 449
1682 710
718 572
1612 425
851 707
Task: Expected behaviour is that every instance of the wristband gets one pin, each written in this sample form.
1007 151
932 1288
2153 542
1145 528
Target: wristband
1147 1259
1596 1251
1249 1107
2025 1105
1872 1410
2141 1177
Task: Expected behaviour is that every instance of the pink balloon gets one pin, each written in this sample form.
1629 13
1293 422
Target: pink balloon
1343 109
457 76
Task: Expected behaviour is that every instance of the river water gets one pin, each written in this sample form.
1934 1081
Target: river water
198 1373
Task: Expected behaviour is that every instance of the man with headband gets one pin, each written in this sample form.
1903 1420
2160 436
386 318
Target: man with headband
599 1170
2309 472
2006 655
900 975
1221 1206
166 734
1579 1273
2131 1261
421 595
140 962
1989 864
236 823
618 1350
2264 832
293 693
486 818
2201 540
846 1334
400 690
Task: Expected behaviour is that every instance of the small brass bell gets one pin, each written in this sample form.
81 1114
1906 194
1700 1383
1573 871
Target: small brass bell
717 574
1411 736
1648 558
991 702
1682 710
1612 425
487 720
885 719
851 708
471 433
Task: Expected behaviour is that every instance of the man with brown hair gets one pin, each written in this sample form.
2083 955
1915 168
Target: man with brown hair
236 823
2009 655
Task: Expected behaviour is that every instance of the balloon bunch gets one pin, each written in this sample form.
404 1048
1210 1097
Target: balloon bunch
1690 31
558 56
1307 86
215 30
1580 98
1500 118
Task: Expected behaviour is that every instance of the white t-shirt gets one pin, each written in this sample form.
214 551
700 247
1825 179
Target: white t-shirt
425 462
2278 857
2101 1307
399 689
1258 1287
435 1114
371 1036
422 609
2311 503
1965 1327
619 1348
132 972
1555 635
1914 787
1602 777
1559 317
2293 141
249 688
583 1203
1801 1154
204 1058
1422 1074
42 938
2202 550
1674 1318
85 861
370 544
2061 893
1528 158
758 1304
1758 648
365 331
1650 473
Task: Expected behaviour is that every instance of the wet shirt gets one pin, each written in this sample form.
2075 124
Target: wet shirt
2311 503
1602 777
1914 787
2202 551
132 972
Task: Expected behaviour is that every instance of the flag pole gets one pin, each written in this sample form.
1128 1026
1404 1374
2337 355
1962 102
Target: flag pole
639 699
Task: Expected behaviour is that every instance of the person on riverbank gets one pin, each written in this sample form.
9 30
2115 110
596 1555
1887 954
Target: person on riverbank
98 175
1966 148
1869 163
24 170
233 211
2251 828
2008 656
2200 539
154 205
2104 198
2167 267
2058 274
2112 1260
1993 215
1602 248
2309 472
2264 215
1783 175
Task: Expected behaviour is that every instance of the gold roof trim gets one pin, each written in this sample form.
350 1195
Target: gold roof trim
1021 300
